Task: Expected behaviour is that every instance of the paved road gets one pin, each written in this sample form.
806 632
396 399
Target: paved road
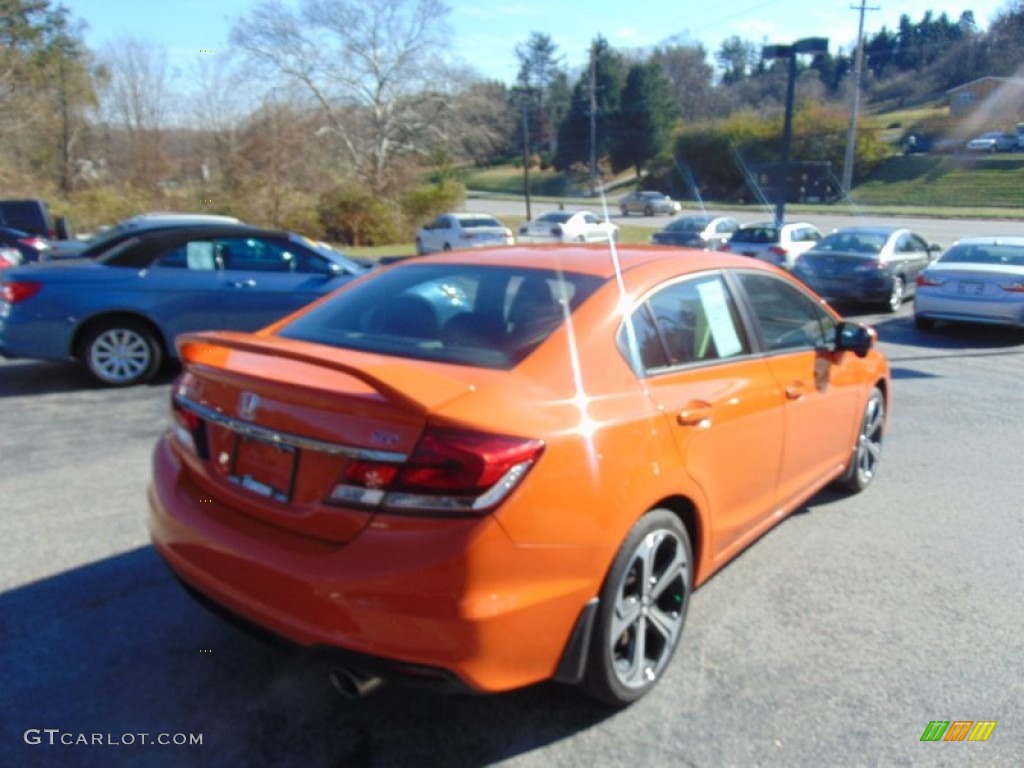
833 641
941 231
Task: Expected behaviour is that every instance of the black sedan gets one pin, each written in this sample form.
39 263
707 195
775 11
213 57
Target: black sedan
866 264
697 231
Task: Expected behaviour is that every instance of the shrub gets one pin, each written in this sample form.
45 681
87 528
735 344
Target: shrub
352 215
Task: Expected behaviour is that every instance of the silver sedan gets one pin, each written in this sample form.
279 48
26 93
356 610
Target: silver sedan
978 280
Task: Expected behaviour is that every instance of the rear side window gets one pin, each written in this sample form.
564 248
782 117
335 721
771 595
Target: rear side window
686 322
484 316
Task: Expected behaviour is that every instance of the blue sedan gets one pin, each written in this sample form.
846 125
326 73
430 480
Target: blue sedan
120 313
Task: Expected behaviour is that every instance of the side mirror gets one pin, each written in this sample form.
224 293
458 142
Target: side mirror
855 337
933 250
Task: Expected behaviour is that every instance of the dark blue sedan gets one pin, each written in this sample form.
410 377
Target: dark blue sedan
119 314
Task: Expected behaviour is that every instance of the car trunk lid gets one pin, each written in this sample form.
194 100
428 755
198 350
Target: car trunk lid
269 426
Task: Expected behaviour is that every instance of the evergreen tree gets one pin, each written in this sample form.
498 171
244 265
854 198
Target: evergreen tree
644 120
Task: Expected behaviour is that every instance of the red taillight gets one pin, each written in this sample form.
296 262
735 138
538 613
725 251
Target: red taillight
725 247
778 251
188 428
13 292
35 242
928 280
1015 287
450 471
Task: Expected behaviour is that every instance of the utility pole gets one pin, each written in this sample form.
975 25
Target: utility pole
593 118
858 67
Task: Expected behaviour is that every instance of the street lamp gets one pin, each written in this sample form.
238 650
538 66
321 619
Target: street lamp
812 45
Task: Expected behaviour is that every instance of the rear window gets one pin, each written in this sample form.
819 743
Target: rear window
687 225
485 316
756 235
996 254
559 217
480 222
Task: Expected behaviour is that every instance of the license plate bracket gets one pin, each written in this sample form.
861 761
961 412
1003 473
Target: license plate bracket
970 288
264 468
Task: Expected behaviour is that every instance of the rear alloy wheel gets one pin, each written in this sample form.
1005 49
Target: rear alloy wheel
895 300
120 353
642 610
868 451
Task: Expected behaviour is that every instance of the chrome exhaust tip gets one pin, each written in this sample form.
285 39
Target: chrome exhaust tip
354 684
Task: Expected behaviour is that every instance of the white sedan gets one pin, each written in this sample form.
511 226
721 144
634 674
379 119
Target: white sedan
568 227
450 231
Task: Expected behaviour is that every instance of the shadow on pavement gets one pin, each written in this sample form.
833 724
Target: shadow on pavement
33 377
116 647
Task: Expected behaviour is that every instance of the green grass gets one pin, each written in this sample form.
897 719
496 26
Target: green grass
957 181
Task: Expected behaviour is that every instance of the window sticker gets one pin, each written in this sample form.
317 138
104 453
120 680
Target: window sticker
199 255
716 308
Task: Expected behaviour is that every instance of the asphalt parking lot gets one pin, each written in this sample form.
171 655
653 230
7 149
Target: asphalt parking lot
835 640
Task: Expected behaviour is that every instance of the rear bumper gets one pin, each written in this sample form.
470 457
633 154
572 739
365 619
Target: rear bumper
968 310
456 597
875 289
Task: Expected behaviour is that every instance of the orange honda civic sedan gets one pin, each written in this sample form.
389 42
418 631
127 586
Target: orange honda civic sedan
497 467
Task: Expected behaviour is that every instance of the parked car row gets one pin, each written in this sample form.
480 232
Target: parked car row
119 312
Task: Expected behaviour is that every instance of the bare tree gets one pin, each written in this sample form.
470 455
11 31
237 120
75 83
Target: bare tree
372 66
136 99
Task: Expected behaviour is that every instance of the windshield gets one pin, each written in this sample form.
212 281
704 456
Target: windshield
490 317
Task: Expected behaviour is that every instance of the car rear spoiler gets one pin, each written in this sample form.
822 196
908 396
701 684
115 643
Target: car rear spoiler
420 389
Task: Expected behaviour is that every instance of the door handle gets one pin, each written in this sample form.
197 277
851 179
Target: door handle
796 390
696 413
243 284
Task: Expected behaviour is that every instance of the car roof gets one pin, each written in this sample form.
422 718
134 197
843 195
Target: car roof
592 259
868 230
992 240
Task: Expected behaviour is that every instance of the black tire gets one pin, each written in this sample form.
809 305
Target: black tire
648 211
924 323
867 452
640 620
896 295
419 247
625 210
121 352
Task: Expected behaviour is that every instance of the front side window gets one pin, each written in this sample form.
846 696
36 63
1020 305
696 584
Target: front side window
686 322
788 318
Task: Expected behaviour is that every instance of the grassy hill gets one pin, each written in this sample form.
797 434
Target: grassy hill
988 181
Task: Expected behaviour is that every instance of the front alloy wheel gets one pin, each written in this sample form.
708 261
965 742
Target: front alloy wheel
643 607
122 353
868 451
